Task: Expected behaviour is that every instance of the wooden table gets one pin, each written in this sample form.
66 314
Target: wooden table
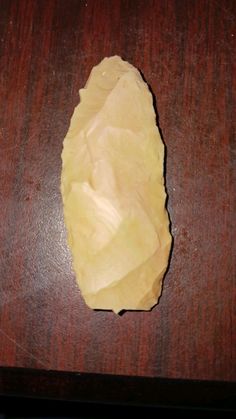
186 51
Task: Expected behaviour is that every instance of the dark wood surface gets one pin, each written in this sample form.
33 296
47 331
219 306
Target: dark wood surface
186 51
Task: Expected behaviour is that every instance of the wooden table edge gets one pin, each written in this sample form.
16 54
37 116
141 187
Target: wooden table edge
117 389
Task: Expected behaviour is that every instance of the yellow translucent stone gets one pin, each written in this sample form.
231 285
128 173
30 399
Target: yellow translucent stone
113 191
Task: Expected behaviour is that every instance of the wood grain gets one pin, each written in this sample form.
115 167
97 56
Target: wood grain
186 51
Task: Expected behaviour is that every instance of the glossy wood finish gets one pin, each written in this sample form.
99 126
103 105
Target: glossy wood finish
186 51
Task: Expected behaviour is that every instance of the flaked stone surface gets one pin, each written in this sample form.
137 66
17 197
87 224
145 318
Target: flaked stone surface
113 191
